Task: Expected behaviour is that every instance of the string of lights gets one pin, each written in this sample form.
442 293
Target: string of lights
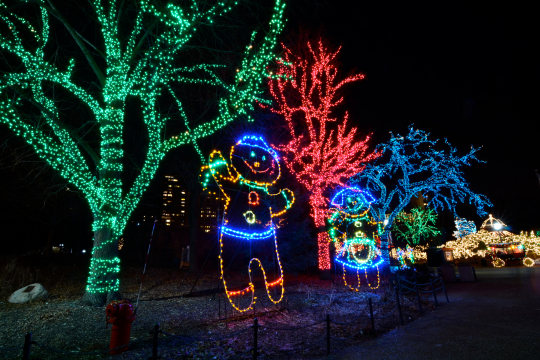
327 153
416 226
477 244
416 253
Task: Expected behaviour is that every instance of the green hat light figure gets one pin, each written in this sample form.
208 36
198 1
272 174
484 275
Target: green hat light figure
350 229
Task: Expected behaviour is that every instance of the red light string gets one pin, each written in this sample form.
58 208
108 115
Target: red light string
329 152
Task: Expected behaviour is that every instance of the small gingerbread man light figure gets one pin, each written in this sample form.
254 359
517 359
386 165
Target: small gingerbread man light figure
352 232
251 208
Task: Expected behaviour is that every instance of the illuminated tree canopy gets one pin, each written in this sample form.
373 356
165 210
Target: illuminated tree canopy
416 226
139 58
415 164
323 152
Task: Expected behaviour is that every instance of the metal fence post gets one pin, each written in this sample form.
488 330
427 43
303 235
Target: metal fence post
371 317
27 344
327 334
155 342
255 326
434 295
399 307
418 294
445 293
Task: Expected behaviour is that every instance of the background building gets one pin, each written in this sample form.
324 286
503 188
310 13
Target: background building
175 200
212 204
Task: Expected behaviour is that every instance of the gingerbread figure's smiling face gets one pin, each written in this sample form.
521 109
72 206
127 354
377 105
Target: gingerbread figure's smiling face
355 202
352 200
255 161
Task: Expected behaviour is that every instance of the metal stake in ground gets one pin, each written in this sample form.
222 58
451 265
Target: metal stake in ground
145 262
27 344
155 342
327 334
371 317
255 326
399 306
434 295
418 294
444 288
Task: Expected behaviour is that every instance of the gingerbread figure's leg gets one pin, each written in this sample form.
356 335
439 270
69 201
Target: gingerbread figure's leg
357 288
241 297
265 268
276 285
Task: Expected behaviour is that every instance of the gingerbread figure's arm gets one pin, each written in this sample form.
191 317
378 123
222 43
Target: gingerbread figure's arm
219 170
285 198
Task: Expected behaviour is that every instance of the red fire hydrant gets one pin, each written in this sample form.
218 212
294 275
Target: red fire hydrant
120 314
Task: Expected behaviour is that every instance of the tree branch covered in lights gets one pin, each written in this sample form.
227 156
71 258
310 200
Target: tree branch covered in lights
415 164
416 226
325 152
139 59
463 228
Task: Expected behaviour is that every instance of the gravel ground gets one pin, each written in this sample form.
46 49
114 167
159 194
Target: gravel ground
61 323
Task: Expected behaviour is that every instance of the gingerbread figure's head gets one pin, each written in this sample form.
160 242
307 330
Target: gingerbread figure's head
255 161
352 200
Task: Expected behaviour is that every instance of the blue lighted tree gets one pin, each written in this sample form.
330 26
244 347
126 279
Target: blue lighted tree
415 164
464 227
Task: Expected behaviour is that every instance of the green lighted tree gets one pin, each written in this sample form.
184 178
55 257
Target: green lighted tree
137 63
416 226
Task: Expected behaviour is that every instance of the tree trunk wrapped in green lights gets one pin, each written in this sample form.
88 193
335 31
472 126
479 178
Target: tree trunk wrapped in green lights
138 58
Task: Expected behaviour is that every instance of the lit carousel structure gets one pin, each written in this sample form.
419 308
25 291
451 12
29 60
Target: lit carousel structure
493 242
502 248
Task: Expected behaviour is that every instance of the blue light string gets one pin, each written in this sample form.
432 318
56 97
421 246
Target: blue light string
364 194
245 141
248 236
349 265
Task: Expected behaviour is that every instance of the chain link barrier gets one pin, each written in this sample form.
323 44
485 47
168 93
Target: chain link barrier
195 339
391 312
361 331
84 353
293 328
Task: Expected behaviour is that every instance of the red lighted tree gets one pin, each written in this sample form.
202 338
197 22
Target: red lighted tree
322 152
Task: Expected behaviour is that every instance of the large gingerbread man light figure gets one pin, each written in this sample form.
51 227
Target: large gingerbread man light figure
250 210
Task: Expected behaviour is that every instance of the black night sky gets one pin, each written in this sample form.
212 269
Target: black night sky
459 71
